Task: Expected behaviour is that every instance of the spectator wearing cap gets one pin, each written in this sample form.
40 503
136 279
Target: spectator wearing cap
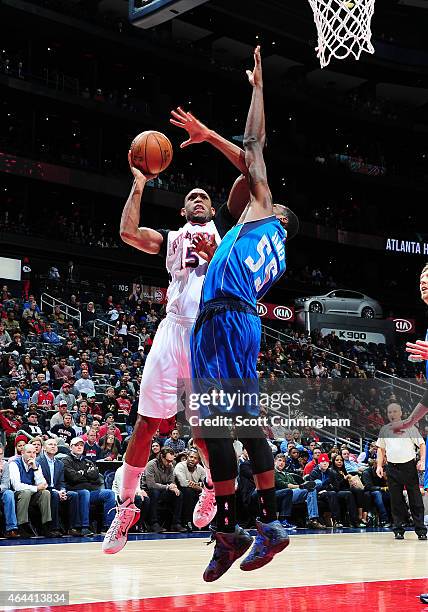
22 394
58 417
19 443
94 408
66 396
82 475
62 371
175 442
50 337
44 398
53 472
32 426
109 422
64 430
325 478
30 488
84 384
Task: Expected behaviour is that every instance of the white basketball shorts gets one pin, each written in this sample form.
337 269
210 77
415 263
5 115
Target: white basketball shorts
167 367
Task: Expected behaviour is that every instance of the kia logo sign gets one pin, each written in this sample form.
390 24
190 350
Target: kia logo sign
402 325
261 309
158 295
283 313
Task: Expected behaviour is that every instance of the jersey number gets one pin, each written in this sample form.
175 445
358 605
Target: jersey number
271 269
191 259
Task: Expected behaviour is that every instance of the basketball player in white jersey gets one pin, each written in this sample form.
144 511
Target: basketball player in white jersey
169 359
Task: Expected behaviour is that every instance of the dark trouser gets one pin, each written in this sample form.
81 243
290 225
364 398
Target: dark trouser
190 497
402 475
171 499
72 502
349 500
333 503
359 498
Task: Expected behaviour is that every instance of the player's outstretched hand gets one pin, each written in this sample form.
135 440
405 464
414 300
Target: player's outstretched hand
198 132
419 349
204 247
255 77
139 176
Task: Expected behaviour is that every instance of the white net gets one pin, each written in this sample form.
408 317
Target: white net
344 28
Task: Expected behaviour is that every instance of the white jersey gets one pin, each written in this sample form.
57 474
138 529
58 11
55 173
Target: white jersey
187 270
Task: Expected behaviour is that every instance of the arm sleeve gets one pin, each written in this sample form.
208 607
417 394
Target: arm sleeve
180 475
164 247
223 220
150 479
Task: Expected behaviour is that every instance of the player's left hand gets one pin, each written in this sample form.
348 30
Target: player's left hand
204 247
198 132
419 349
255 77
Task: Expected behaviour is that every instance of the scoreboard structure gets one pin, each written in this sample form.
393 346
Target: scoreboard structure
149 13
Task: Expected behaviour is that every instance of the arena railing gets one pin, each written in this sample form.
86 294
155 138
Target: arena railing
70 312
109 329
386 380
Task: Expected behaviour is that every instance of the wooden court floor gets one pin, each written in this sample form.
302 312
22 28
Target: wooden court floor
355 563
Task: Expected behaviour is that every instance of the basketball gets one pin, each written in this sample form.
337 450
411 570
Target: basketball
151 152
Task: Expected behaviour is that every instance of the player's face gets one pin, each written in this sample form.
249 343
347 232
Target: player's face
423 285
197 207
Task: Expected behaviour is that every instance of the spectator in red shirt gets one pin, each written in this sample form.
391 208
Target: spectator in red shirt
166 426
104 428
123 402
310 466
9 423
43 398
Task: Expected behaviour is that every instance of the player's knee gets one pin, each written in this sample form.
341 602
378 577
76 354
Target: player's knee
222 459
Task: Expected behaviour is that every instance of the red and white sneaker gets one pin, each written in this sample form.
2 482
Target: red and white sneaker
127 514
205 509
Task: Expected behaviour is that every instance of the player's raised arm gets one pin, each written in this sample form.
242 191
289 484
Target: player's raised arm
198 132
142 238
254 139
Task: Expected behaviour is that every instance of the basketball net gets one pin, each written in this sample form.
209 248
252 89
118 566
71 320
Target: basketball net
343 28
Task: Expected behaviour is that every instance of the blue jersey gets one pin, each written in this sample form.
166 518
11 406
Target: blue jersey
248 261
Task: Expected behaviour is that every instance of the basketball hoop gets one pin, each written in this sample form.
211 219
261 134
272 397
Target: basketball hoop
343 28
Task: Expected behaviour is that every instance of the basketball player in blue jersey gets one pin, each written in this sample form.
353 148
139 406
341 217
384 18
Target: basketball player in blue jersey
225 343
